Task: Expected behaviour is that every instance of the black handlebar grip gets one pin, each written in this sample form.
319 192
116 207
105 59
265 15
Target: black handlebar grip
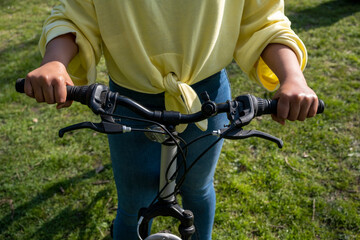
267 106
321 107
80 94
74 93
20 85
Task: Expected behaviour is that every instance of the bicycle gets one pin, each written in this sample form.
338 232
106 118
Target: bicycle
240 112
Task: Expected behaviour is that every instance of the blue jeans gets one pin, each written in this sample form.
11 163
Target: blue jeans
136 163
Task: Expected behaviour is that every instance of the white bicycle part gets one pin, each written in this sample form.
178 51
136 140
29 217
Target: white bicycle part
162 236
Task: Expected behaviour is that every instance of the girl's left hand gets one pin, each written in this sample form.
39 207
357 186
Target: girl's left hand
296 101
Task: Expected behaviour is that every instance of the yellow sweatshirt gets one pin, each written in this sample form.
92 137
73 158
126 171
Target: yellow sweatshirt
154 46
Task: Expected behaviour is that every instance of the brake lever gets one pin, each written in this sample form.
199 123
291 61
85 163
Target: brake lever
102 127
239 133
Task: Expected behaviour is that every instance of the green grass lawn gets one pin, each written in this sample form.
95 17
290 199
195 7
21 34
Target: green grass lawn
50 187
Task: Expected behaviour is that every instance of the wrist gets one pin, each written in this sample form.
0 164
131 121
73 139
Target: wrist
54 64
294 79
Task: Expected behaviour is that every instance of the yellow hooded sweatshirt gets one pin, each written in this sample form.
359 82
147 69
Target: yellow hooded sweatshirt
154 46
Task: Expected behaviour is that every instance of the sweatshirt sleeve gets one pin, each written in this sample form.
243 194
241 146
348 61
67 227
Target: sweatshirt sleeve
77 17
264 22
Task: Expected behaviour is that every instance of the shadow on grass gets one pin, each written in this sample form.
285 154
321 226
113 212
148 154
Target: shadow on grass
75 219
17 60
67 220
324 14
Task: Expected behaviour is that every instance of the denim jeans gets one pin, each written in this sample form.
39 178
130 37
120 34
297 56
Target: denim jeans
136 162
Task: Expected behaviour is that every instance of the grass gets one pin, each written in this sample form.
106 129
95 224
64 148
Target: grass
50 187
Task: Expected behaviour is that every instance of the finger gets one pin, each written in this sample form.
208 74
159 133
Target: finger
308 108
313 108
28 88
60 91
64 105
38 93
304 110
48 92
275 118
283 109
294 111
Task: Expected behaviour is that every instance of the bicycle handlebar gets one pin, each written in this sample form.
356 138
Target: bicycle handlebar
99 98
240 112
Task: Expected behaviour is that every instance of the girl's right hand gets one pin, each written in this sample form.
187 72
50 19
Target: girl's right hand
48 84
